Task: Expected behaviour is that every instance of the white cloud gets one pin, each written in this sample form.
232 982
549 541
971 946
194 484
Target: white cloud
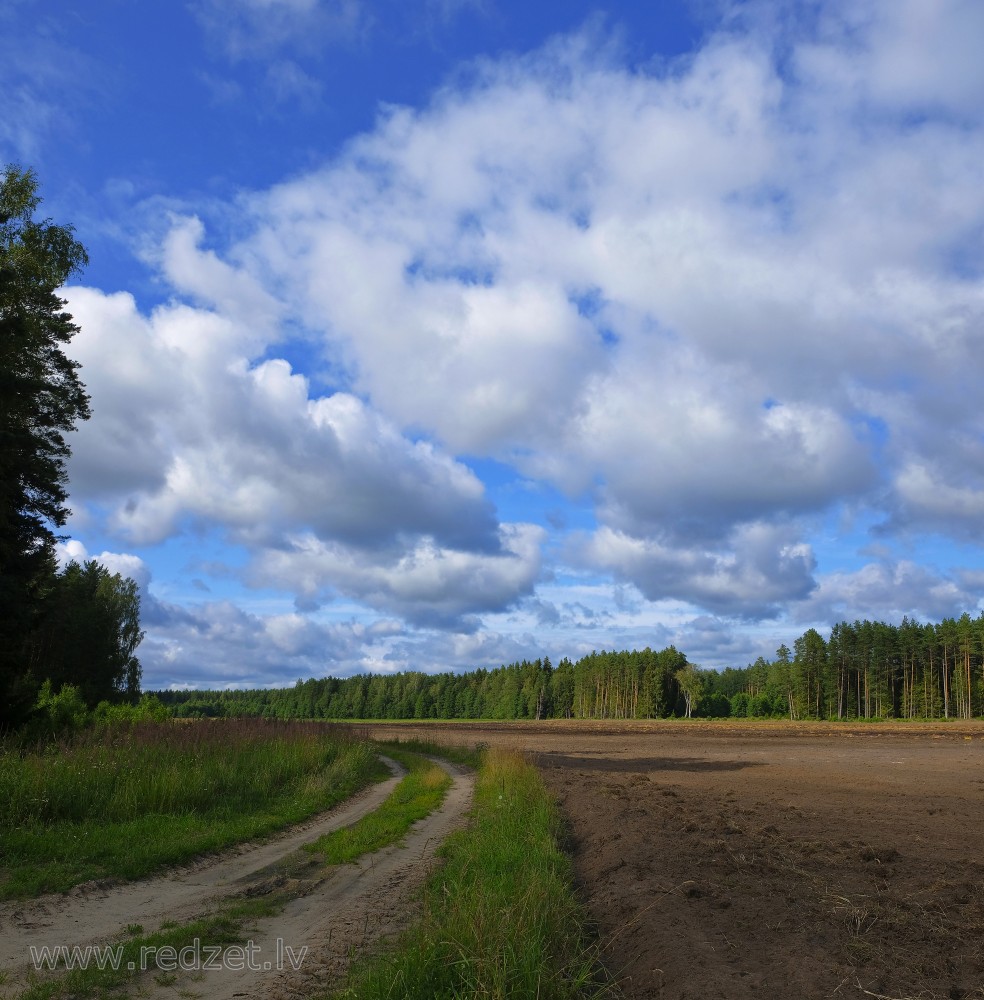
761 568
124 563
679 290
886 591
903 55
187 426
220 645
426 584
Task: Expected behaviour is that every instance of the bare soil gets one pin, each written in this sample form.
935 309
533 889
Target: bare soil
770 861
328 915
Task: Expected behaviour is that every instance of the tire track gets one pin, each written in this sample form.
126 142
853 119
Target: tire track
329 914
94 913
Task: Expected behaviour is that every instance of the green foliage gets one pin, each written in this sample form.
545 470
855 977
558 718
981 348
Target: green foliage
148 709
501 918
41 399
80 627
90 631
61 713
865 670
762 706
691 685
714 706
124 801
600 685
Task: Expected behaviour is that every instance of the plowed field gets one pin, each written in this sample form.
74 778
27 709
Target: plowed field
771 861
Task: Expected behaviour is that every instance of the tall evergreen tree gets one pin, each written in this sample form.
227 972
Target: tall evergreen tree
89 632
41 400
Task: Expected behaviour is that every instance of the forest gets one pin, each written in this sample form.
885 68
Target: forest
865 670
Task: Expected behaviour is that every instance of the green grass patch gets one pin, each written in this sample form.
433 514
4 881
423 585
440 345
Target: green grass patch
501 919
123 802
418 794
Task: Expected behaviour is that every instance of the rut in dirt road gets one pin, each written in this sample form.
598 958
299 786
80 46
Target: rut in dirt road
92 914
327 916
310 944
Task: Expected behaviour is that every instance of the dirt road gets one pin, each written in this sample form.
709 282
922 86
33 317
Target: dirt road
328 913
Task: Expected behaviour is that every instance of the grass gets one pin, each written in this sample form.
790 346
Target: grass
127 801
501 920
418 794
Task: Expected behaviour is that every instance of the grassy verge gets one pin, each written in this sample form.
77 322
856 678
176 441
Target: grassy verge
419 793
501 920
124 802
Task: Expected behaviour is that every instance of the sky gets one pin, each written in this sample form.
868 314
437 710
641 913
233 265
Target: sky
445 334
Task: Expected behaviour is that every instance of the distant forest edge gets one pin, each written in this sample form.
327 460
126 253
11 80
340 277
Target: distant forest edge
866 670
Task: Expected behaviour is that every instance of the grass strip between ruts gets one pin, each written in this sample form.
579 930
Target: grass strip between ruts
418 793
501 919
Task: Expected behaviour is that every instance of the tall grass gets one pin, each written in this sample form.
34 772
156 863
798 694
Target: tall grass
124 801
501 920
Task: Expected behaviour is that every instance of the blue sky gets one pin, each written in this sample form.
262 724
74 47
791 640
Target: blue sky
439 335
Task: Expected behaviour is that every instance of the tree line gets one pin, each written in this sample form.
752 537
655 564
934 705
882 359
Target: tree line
865 670
77 627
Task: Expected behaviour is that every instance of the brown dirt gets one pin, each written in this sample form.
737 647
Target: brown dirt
771 861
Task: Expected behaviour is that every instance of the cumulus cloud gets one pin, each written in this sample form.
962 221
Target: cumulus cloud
187 426
680 291
219 644
124 563
903 55
425 584
760 569
435 652
193 428
887 590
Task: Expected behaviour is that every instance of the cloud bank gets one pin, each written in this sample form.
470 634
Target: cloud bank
722 301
